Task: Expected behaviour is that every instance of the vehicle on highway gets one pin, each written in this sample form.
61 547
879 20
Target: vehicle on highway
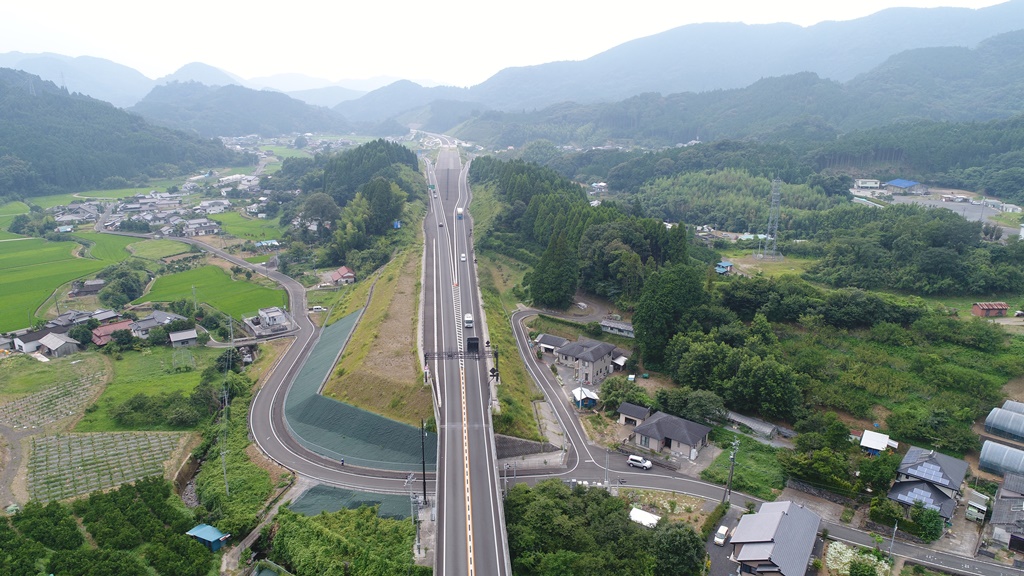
639 462
440 224
721 535
467 321
462 257
458 212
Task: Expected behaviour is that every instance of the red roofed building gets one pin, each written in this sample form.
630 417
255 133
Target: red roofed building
343 275
989 309
101 335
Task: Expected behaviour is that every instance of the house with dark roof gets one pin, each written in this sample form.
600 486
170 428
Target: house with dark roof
88 288
663 432
1008 513
183 338
549 343
632 415
618 328
30 341
779 539
989 309
141 327
102 335
590 360
931 478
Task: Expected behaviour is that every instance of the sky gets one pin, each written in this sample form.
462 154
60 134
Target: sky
453 42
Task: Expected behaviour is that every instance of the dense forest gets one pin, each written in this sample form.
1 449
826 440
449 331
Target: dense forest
52 142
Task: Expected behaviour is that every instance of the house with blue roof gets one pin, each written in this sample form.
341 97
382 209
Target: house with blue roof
901 186
209 536
723 267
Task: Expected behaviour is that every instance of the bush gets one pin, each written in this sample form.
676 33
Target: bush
713 519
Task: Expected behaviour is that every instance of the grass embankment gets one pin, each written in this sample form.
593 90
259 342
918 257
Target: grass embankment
215 287
517 391
379 370
149 372
157 249
757 471
249 228
574 331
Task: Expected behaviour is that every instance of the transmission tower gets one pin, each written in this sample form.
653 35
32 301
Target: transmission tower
769 249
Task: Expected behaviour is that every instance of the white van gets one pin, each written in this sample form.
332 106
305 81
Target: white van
467 321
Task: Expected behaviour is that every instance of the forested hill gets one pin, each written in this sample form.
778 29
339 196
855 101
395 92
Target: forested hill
52 141
234 111
943 84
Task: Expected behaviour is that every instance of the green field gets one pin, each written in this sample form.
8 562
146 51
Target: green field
258 259
33 269
149 372
286 152
12 208
5 222
106 247
215 287
249 228
157 249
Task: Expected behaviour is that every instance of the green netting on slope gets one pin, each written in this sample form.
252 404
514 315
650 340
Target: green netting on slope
338 430
322 498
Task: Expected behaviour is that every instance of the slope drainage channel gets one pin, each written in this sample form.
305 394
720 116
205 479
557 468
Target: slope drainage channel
337 430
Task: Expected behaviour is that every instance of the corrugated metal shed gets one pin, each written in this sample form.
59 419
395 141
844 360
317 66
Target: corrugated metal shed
1005 423
1000 459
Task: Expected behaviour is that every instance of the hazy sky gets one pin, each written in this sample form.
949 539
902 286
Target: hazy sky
458 42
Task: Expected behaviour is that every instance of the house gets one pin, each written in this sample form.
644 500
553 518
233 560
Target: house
58 345
867 183
584 398
617 327
778 539
208 536
273 316
723 267
875 443
590 360
343 275
549 343
931 478
632 415
1008 513
142 326
989 309
183 338
663 431
29 342
88 288
102 335
200 227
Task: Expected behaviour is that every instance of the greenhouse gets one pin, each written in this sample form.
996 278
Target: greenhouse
1005 423
1012 406
1000 459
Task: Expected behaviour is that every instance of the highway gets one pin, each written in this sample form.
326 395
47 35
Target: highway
471 529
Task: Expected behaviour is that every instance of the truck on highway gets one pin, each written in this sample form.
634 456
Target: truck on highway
458 213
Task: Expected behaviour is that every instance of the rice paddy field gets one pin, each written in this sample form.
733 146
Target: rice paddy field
157 249
65 199
249 228
215 287
106 247
32 269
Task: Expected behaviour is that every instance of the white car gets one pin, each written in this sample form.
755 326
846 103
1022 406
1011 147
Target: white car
721 535
462 257
639 462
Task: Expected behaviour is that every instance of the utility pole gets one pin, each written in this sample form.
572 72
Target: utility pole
732 465
893 540
423 457
606 452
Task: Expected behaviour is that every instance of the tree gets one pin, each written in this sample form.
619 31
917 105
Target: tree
82 333
665 307
616 390
321 209
158 336
879 471
929 522
678 549
553 281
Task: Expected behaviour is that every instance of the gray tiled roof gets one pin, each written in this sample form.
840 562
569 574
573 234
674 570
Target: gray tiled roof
907 493
588 351
551 340
780 532
661 425
931 466
634 411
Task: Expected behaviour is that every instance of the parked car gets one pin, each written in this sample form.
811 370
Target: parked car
721 535
639 462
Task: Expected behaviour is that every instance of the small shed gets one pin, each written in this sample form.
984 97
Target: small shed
209 536
723 267
990 309
584 398
59 345
183 338
999 458
1006 424
643 517
632 414
875 443
618 328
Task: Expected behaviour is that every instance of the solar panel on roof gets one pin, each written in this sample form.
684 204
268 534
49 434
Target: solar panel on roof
918 495
929 472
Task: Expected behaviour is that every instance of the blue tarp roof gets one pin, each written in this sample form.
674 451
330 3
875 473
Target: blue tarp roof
206 532
901 183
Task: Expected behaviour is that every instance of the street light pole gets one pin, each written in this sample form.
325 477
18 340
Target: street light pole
893 540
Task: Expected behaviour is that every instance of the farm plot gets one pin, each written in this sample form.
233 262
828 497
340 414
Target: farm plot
215 287
249 228
157 249
63 466
106 247
33 269
52 404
